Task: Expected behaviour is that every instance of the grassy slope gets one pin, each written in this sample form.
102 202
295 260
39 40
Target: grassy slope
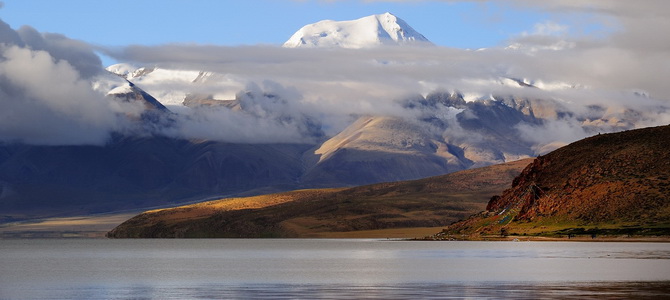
366 211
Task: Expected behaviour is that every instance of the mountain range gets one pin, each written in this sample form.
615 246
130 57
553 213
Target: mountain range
191 135
616 185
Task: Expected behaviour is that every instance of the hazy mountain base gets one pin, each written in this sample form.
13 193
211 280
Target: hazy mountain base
612 184
131 173
430 202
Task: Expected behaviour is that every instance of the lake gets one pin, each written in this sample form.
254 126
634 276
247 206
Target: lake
329 269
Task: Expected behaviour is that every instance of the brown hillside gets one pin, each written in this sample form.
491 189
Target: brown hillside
430 202
607 184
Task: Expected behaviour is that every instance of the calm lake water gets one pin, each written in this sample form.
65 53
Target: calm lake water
330 269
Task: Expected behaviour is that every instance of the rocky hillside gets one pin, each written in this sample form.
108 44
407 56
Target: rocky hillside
616 184
429 202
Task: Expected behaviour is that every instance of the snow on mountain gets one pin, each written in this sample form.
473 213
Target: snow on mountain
124 70
172 86
108 83
163 84
481 84
370 31
122 90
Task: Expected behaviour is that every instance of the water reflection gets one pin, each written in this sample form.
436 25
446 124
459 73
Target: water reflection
484 290
329 269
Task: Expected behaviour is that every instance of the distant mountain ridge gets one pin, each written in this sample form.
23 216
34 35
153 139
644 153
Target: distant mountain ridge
373 149
366 32
136 172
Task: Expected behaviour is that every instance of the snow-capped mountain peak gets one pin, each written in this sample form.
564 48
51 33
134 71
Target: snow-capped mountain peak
370 31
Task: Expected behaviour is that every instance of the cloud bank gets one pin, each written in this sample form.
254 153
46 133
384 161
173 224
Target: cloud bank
605 82
334 84
45 92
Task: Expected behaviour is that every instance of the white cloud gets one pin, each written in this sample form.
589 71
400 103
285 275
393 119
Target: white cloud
335 84
548 28
45 102
332 85
46 93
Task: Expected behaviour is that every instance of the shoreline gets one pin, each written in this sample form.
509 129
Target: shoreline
95 227
512 238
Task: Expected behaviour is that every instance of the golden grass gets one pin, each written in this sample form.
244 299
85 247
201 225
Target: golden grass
206 209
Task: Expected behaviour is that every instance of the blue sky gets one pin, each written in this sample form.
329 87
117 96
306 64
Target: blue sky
152 22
